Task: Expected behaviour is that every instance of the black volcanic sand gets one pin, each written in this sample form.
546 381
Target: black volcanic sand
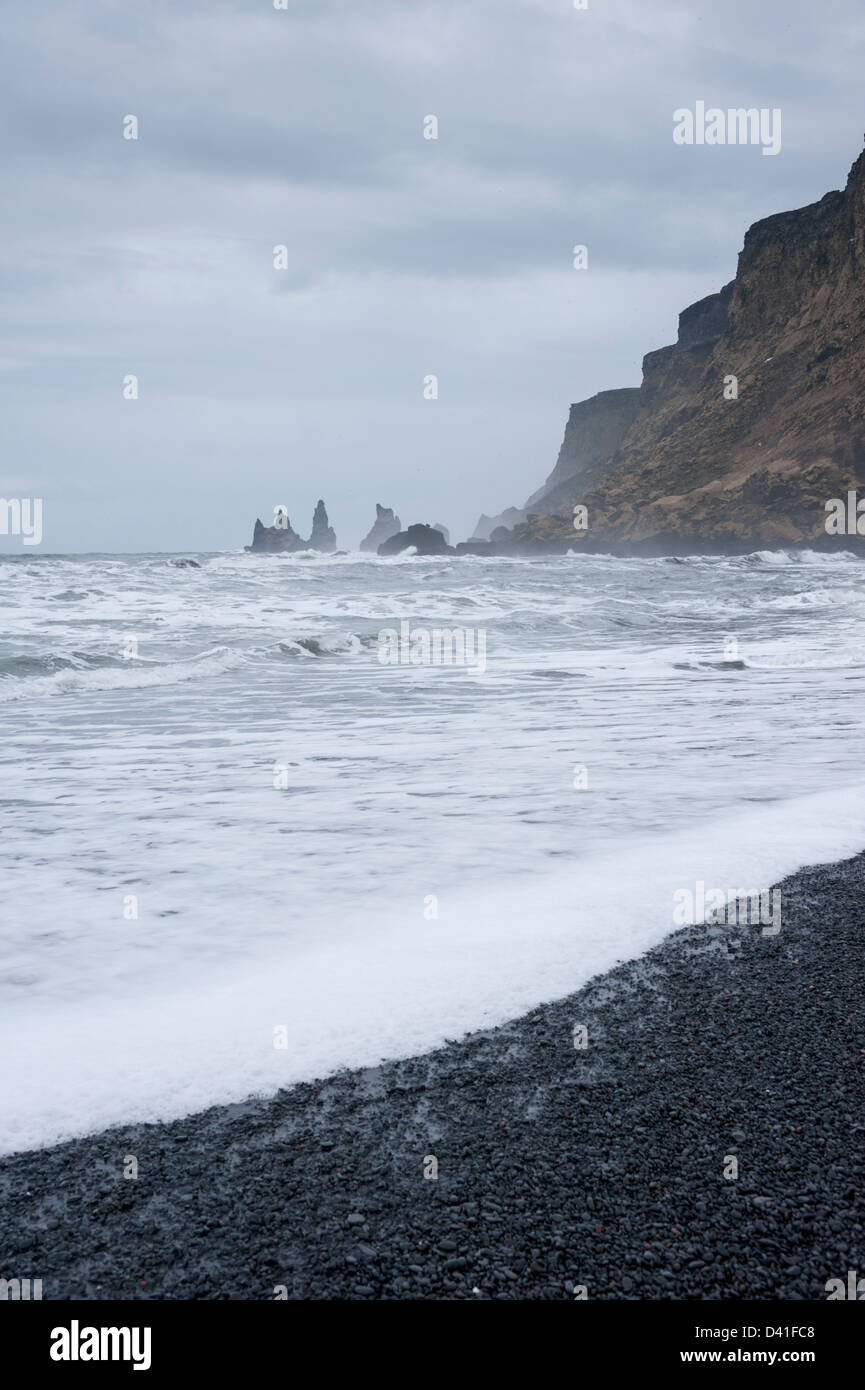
557 1167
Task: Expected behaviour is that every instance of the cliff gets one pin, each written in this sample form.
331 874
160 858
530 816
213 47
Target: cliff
744 428
594 431
511 516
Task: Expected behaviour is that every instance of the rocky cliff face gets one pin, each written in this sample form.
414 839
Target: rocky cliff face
594 431
386 524
511 516
744 429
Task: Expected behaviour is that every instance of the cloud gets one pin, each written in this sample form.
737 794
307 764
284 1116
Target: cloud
304 128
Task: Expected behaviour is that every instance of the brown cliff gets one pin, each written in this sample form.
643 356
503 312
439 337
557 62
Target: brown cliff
706 465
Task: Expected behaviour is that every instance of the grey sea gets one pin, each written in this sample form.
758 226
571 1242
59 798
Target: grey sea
241 848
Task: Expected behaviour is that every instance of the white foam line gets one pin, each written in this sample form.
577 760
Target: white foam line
366 990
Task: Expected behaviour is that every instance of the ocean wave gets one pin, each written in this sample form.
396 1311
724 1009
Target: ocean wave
767 665
732 664
204 1036
346 644
798 663
49 663
80 672
782 558
117 674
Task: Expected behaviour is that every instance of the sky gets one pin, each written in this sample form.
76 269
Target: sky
406 257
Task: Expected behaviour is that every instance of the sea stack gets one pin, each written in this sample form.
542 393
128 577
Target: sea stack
386 524
277 538
323 536
425 540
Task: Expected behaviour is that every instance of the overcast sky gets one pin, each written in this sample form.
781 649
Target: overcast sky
304 127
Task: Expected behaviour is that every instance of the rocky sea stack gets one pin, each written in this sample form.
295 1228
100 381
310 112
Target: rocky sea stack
386 524
323 536
425 540
280 538
747 433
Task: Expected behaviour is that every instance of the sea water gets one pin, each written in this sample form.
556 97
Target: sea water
240 849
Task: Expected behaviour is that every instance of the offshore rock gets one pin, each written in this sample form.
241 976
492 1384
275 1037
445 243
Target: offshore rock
323 537
274 539
425 539
386 524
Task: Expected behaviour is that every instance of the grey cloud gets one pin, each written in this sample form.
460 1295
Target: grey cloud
406 256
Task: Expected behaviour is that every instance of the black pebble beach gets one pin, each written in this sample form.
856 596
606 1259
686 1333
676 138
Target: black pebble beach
559 1168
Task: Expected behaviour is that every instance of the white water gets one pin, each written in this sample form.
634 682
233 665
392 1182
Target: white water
304 908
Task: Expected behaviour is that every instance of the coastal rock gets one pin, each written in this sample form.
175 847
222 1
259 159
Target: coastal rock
386 524
594 431
280 538
273 539
425 539
323 537
437 526
744 428
511 516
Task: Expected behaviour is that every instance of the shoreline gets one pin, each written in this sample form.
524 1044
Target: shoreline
557 1167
